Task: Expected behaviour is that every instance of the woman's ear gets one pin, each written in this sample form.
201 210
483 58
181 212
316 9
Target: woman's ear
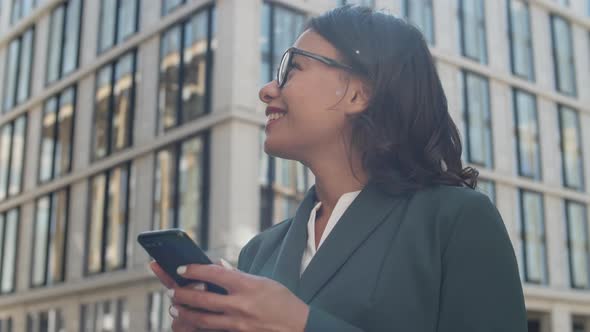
359 97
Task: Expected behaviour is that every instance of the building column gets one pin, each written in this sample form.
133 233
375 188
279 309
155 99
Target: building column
234 189
560 319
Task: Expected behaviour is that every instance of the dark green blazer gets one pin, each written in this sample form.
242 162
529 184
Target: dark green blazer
436 260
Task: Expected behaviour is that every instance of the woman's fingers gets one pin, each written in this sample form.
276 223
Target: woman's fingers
162 275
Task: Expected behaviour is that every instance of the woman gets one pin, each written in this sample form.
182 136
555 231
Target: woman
392 237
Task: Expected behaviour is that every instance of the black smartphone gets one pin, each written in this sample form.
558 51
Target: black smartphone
171 248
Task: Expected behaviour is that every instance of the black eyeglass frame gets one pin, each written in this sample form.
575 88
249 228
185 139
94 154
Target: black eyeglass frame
294 50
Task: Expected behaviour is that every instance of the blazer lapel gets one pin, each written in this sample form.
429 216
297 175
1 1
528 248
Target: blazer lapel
368 211
288 266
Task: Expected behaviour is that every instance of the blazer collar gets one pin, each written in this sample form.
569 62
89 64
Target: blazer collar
367 212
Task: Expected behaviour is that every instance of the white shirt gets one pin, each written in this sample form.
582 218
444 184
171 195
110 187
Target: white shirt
341 206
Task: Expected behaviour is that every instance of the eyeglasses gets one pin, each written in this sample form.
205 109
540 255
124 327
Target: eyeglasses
286 65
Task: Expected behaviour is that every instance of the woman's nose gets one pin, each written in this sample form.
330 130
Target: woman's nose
269 92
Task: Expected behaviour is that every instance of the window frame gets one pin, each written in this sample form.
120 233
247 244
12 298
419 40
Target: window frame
128 167
519 152
176 148
466 118
523 223
63 31
9 170
115 38
482 24
110 150
51 221
572 59
568 221
430 36
181 25
512 39
3 245
19 64
582 186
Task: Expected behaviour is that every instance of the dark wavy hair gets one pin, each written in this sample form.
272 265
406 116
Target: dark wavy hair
406 135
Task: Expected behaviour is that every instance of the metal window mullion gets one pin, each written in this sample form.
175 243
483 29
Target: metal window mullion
63 40
466 116
270 194
116 29
10 157
48 238
179 102
2 246
177 150
131 105
111 111
18 71
210 61
66 228
127 195
105 223
205 185
55 137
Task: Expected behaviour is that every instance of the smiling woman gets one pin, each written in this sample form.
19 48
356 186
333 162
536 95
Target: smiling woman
393 236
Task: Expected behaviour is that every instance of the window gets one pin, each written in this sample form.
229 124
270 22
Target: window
579 324
109 315
527 134
114 106
369 3
180 188
18 70
118 21
46 321
577 243
420 13
487 187
571 148
283 182
6 324
478 122
185 70
21 8
12 154
533 237
169 5
8 247
158 318
50 238
563 56
473 29
563 2
57 129
521 40
64 40
108 220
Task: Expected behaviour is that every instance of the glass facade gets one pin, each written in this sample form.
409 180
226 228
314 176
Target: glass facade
180 188
169 5
107 315
108 220
64 40
533 237
159 320
9 230
571 148
369 3
563 56
57 129
50 238
12 154
21 9
17 77
420 13
114 106
46 321
521 40
487 187
577 244
118 21
472 25
527 134
185 70
478 121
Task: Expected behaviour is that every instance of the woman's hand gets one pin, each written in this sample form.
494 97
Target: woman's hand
253 304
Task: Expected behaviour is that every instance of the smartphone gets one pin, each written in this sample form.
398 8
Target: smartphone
171 248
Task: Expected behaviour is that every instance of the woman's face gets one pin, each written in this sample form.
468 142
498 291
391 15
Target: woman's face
312 101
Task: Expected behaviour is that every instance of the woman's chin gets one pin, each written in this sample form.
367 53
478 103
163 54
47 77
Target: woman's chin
276 150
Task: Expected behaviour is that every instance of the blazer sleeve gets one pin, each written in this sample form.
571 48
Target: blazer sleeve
481 289
319 320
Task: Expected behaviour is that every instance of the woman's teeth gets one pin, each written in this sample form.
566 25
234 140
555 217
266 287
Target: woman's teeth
275 116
